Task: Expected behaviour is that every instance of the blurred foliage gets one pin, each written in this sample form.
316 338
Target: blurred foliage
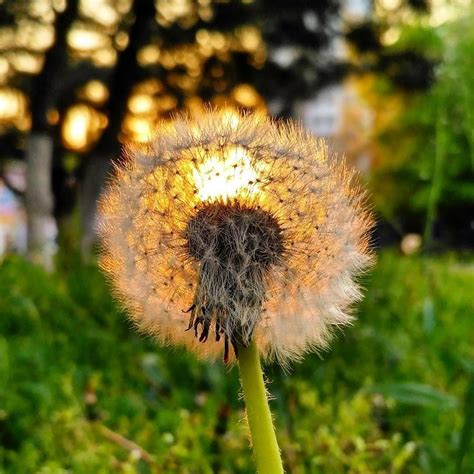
391 396
467 433
408 67
175 55
424 177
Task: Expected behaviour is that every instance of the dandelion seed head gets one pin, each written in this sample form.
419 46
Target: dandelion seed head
235 227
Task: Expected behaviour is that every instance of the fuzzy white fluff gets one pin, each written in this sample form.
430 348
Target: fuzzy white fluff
159 187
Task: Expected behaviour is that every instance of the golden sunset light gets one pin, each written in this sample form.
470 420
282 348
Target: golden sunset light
225 177
81 126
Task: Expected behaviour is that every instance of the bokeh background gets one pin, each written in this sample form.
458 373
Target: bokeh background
389 83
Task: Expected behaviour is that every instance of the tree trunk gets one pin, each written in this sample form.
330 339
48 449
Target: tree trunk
39 199
95 176
124 77
41 226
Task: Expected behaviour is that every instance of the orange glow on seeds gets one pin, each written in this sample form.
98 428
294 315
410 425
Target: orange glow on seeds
225 177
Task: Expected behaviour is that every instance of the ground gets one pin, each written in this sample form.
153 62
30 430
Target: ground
81 392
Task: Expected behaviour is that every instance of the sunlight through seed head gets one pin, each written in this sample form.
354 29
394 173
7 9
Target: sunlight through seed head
229 228
225 177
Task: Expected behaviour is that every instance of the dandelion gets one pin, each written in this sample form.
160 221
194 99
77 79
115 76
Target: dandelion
237 237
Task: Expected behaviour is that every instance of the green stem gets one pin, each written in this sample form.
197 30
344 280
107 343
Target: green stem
262 433
437 178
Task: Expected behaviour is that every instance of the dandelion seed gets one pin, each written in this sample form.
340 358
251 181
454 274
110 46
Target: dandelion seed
225 230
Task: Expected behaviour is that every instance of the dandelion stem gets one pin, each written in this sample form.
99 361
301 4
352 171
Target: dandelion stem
262 433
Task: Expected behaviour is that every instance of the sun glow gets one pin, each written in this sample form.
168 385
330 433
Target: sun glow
81 127
226 177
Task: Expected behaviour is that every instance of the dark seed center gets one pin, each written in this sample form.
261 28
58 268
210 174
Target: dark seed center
236 246
235 235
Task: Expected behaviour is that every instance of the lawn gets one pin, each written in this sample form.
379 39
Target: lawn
81 392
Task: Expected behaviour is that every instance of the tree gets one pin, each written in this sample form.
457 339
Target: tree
243 53
39 142
123 78
422 180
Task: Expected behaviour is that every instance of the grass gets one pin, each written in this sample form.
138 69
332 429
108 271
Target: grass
78 387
